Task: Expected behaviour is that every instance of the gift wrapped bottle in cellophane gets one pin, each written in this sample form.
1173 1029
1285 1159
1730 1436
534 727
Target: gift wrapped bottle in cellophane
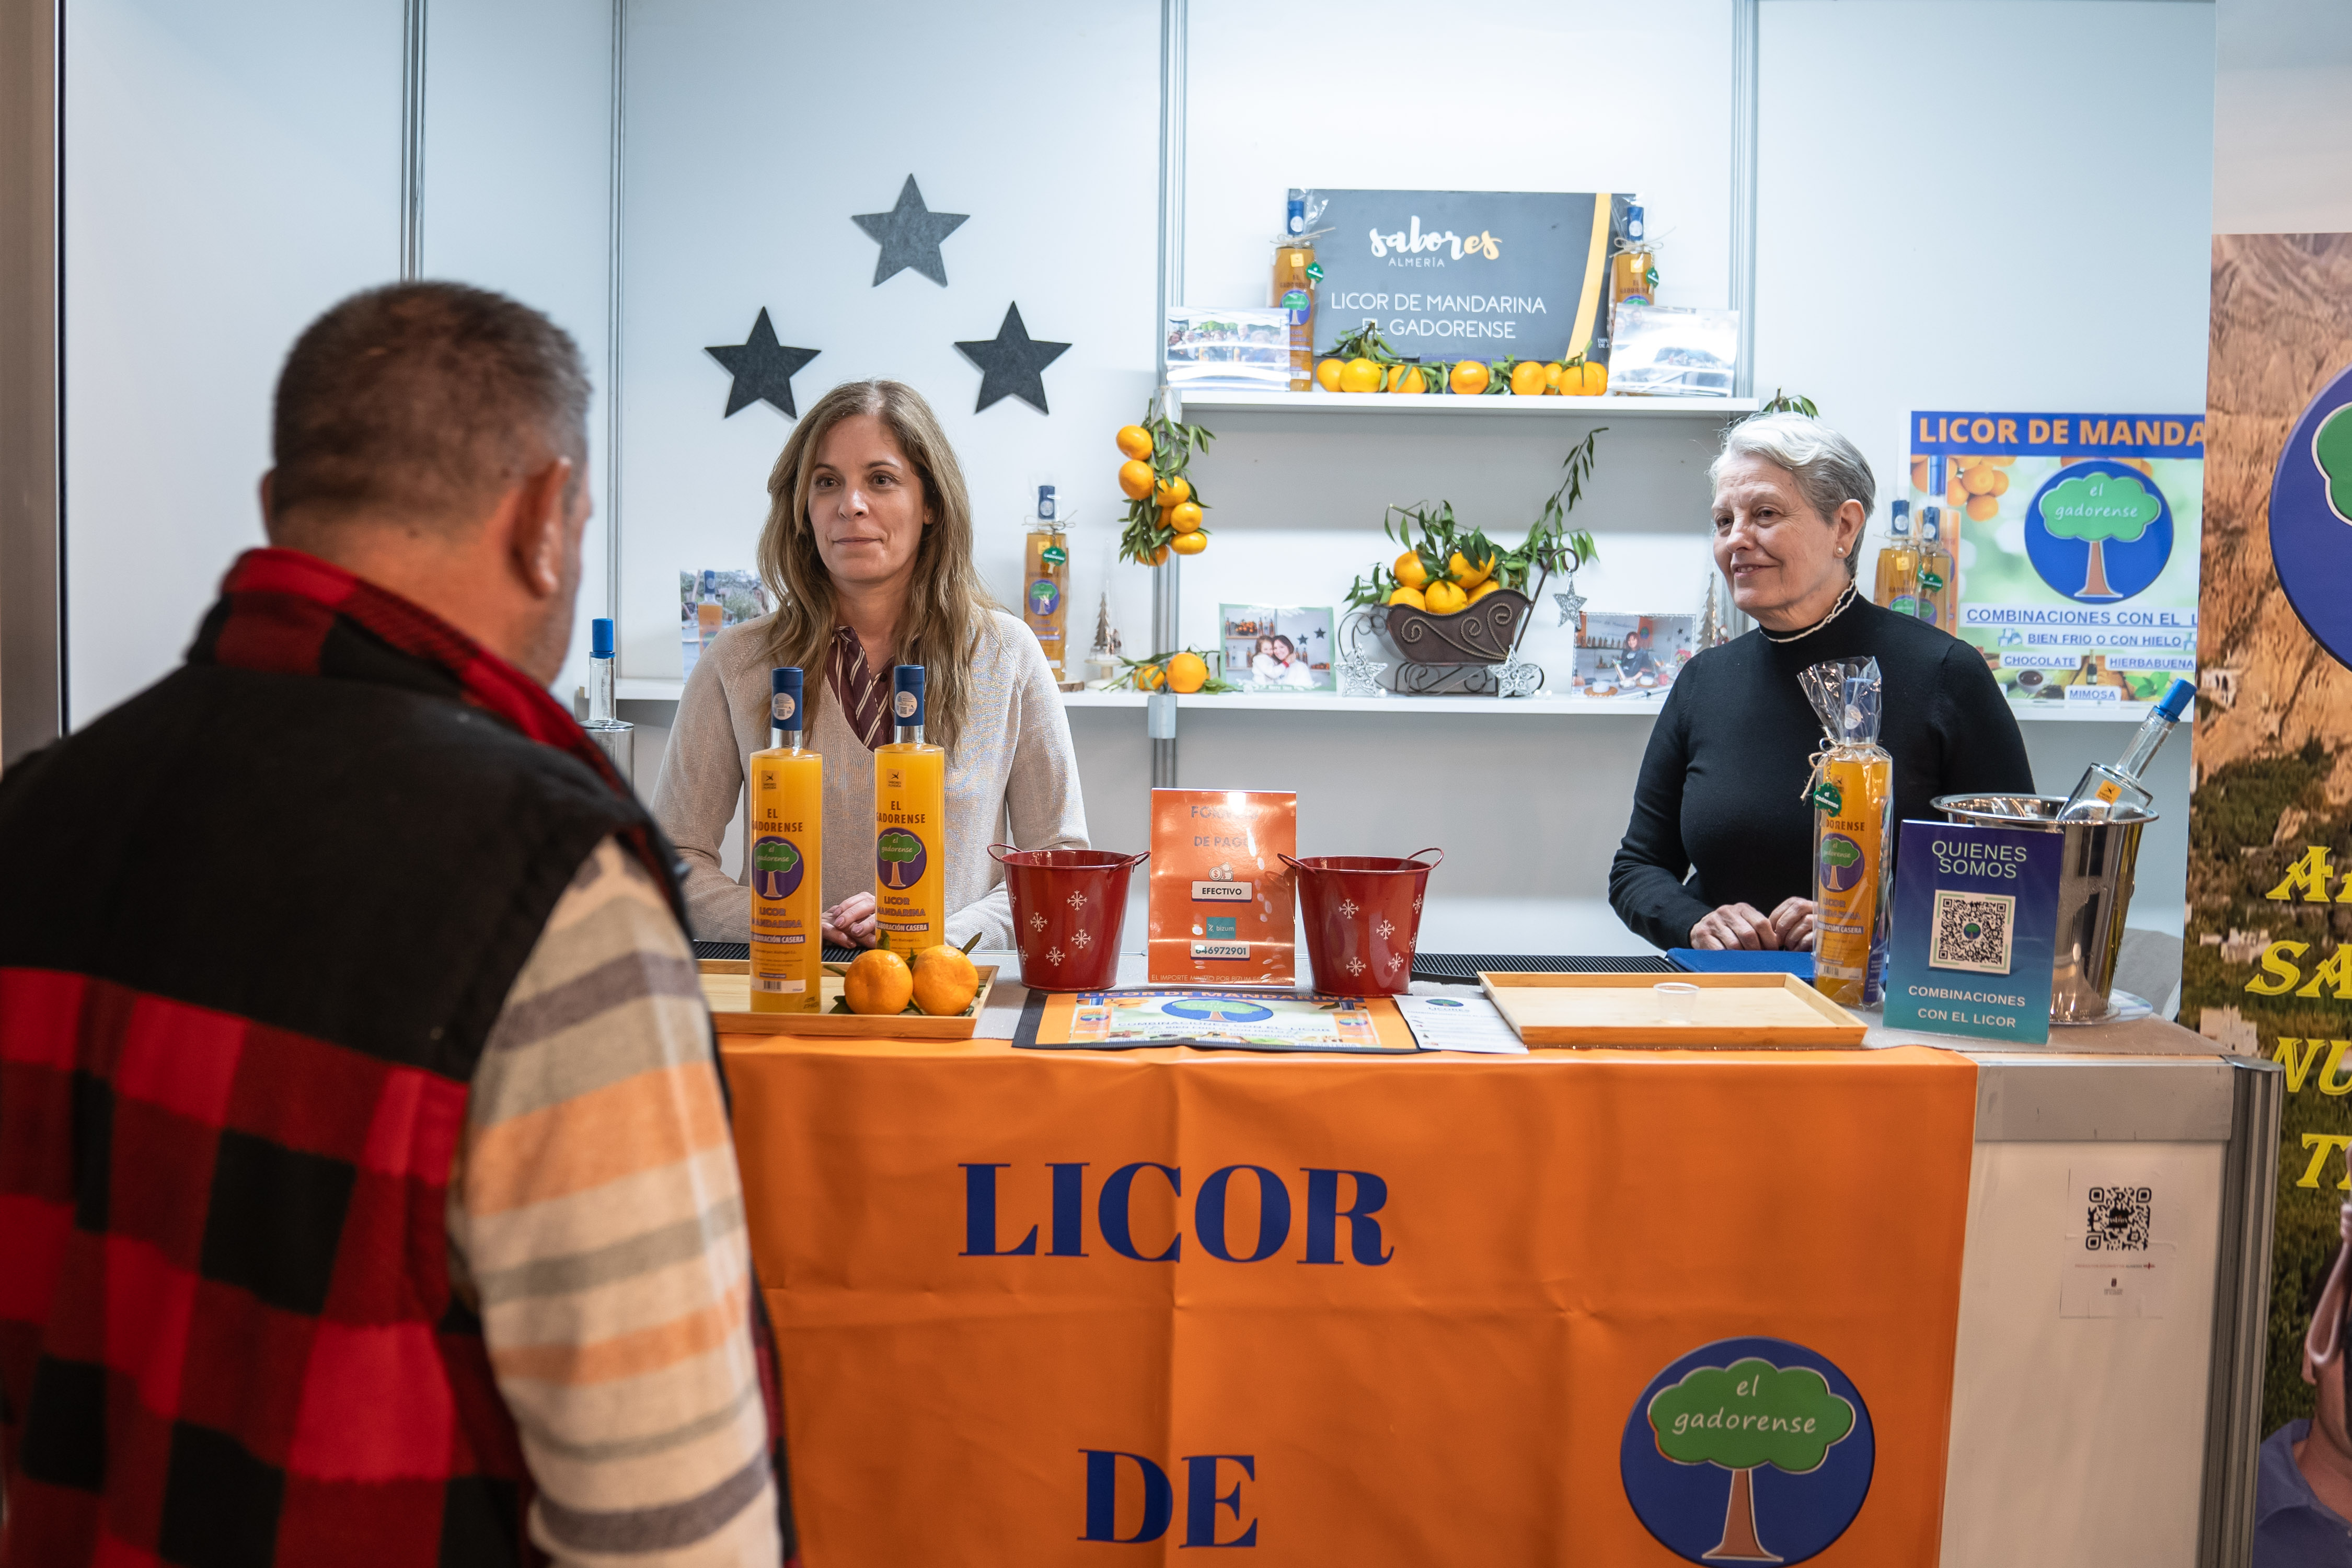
1852 792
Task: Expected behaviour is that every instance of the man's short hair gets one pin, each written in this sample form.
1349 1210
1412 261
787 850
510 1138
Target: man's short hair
424 402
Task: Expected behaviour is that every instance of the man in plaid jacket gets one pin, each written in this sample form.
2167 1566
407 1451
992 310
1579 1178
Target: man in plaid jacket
366 1192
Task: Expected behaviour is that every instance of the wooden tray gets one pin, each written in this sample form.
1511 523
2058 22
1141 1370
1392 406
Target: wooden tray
1735 1011
726 987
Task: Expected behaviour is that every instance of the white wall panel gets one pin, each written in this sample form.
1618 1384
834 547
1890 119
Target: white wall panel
230 171
755 131
517 156
2282 117
2047 1410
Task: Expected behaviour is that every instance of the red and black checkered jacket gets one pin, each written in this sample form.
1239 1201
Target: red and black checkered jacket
259 921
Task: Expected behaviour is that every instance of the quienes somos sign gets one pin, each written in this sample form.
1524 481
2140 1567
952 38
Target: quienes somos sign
1071 1307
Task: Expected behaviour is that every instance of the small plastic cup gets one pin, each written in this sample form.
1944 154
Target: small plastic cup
1677 1001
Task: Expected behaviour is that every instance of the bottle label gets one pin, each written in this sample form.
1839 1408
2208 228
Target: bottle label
1905 604
781 708
776 867
1054 555
899 857
1315 272
2108 792
1828 797
905 703
1931 581
1841 862
1044 597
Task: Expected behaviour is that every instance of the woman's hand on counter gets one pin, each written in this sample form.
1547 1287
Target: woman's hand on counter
850 924
1792 922
1738 926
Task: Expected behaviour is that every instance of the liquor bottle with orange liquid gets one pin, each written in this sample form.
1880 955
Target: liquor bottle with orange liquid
1044 595
1897 587
1939 588
1295 276
785 851
910 825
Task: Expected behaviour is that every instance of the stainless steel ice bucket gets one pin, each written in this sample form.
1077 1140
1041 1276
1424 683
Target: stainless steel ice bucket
2094 890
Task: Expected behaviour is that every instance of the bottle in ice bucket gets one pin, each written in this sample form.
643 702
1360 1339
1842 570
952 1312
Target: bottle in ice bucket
2105 788
1852 792
786 856
910 837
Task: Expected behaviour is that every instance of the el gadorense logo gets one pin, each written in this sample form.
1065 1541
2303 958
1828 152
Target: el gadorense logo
2311 517
1748 1450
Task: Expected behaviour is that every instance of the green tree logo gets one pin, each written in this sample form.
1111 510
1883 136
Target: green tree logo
2096 508
2331 448
775 856
1748 1414
896 849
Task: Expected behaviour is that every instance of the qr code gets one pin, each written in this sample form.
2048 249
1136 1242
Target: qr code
2118 1219
1972 932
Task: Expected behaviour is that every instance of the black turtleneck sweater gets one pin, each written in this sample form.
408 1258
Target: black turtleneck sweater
1719 797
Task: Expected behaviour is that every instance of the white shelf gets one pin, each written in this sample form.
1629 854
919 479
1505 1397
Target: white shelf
1540 705
1500 405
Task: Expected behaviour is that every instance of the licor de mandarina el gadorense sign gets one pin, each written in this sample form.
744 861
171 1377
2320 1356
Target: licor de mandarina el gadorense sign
1448 275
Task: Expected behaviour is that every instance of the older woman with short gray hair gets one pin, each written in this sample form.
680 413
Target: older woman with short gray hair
1718 853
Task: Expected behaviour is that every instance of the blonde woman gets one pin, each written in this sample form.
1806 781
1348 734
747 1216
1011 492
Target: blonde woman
868 549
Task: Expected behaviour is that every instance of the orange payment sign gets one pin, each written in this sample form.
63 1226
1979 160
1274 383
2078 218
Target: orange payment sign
1085 1306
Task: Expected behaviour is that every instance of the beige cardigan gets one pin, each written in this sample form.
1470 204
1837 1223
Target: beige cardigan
1014 765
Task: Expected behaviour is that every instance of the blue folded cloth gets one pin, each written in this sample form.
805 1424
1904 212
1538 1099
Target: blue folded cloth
1741 961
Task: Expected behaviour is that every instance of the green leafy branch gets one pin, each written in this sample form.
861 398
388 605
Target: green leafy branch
1147 535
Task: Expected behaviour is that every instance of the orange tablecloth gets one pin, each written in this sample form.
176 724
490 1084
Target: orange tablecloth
1484 1263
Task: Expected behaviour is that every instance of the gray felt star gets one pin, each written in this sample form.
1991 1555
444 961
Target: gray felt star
762 368
1013 364
909 235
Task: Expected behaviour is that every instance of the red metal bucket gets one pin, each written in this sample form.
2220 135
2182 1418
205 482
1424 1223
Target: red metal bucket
1363 914
1067 908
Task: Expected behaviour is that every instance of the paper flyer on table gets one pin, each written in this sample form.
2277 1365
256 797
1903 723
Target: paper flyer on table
1465 1023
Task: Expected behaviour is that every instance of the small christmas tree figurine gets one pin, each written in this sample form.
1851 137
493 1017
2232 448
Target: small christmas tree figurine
1102 659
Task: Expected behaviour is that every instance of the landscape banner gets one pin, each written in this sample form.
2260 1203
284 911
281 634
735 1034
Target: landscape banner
2269 903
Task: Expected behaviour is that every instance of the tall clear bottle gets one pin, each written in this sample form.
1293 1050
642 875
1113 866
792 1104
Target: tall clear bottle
910 825
2106 788
616 738
1939 588
785 851
1897 585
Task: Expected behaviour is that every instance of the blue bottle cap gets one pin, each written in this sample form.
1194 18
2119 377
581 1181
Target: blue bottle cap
2177 698
600 639
906 695
784 698
1634 225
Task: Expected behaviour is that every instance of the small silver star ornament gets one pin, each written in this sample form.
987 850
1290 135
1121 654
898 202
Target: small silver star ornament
1516 676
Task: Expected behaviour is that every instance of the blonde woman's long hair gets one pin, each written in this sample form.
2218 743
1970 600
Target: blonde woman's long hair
948 605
